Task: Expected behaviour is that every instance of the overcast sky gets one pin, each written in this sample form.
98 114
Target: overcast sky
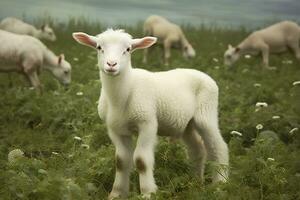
218 12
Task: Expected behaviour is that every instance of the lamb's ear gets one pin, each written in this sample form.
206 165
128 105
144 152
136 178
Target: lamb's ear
85 39
230 46
143 43
61 57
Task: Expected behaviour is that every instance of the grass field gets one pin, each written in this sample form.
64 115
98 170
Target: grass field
264 164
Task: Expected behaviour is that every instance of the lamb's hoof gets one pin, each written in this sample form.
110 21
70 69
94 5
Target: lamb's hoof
114 195
220 178
148 196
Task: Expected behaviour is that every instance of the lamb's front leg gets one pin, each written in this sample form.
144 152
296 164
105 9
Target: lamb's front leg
144 157
124 164
145 56
167 51
265 54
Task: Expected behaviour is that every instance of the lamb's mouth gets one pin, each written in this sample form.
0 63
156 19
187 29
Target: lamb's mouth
111 72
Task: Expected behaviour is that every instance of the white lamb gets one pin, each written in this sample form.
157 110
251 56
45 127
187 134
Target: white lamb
17 26
28 55
178 103
169 34
274 39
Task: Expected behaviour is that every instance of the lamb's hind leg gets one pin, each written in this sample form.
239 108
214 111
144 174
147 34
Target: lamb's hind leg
196 149
206 122
145 56
167 51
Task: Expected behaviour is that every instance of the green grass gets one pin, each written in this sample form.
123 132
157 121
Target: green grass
41 125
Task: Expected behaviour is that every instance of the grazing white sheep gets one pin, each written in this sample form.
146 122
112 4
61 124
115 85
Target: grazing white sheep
169 34
17 26
274 39
178 103
28 55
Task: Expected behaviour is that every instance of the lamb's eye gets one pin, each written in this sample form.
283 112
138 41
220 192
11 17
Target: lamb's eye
127 50
66 72
99 47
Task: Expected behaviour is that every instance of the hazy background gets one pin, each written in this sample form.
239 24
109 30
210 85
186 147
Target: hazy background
217 12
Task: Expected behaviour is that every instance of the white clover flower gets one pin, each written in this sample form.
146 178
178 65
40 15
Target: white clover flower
261 104
54 153
293 130
257 85
296 83
14 155
247 56
259 126
31 88
75 59
85 146
236 133
276 117
77 138
217 67
79 93
271 159
215 59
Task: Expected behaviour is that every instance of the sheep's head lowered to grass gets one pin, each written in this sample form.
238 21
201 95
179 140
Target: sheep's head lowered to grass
189 51
114 48
47 33
231 55
62 70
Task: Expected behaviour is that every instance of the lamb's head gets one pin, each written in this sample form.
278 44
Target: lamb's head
62 70
47 33
231 55
114 49
188 51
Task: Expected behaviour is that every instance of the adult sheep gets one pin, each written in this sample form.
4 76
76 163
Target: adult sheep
177 103
17 26
170 34
28 55
274 39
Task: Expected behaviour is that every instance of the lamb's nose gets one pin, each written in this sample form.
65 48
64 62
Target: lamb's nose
111 64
